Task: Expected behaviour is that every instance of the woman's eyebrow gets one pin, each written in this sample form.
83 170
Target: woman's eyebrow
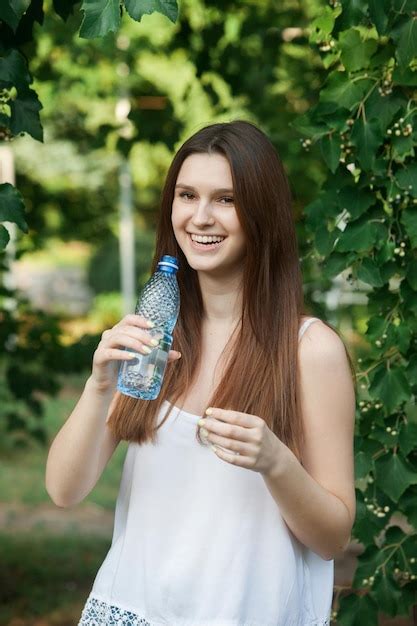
193 188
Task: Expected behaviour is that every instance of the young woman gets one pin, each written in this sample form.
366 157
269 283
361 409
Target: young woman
237 489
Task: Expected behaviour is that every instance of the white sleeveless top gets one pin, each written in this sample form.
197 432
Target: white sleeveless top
200 542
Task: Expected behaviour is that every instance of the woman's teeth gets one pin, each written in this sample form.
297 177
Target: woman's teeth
207 239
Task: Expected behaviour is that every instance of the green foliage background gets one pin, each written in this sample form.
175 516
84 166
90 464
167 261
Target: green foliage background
341 76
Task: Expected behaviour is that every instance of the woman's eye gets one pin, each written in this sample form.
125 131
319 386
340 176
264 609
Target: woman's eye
187 195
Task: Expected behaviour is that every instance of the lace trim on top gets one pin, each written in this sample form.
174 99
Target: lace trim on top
99 613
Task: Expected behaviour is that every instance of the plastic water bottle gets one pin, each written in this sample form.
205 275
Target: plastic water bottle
159 302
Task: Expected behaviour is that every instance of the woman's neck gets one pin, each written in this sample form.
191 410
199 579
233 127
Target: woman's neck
222 300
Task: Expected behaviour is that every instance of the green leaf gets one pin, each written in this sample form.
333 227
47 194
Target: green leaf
355 200
13 70
356 53
368 562
403 337
64 8
412 372
4 236
100 17
367 137
385 255
411 274
409 505
304 125
353 12
407 600
408 296
407 179
394 475
12 206
383 437
402 147
367 526
363 464
339 88
321 209
358 236
335 264
390 386
369 273
375 328
25 114
330 149
378 10
11 11
324 23
383 108
138 8
409 221
386 593
408 438
358 610
404 76
4 121
405 36
404 6
325 240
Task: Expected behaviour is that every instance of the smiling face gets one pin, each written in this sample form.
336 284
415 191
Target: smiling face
204 218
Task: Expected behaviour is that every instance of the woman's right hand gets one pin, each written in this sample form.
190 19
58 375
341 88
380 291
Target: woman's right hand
132 332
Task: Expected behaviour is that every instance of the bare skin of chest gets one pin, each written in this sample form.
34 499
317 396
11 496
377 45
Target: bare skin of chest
215 339
210 372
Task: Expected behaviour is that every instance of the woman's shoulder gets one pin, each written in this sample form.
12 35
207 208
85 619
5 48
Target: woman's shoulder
319 337
306 321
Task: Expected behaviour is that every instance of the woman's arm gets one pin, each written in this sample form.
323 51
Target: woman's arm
317 498
82 448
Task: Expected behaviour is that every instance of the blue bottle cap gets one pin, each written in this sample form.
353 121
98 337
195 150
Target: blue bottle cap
169 262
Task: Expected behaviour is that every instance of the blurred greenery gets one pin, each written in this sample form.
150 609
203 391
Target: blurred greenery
54 570
22 472
50 587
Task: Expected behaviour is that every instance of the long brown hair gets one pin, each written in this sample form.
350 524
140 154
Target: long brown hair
260 375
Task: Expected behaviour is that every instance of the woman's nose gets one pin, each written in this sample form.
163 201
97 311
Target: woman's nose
202 214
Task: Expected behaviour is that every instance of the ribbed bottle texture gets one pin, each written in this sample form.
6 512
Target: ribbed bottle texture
159 302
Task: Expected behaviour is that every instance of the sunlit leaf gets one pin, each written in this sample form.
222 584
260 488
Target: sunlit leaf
100 17
138 8
356 53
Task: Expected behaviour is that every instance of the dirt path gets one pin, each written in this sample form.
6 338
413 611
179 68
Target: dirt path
85 518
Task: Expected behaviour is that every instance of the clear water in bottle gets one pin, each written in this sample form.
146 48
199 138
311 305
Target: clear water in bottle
159 302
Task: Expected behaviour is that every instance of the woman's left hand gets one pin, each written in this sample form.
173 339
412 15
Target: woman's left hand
249 442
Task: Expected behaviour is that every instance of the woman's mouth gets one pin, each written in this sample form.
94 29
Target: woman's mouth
207 245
